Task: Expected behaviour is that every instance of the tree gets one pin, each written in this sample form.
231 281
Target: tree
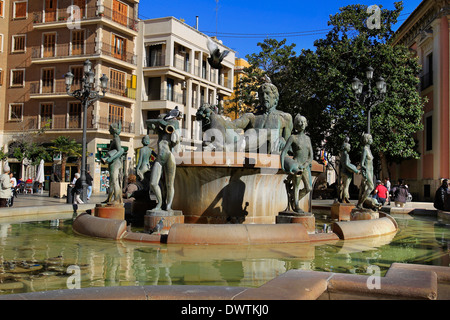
67 148
273 62
346 52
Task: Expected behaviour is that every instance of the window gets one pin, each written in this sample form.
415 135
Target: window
1 43
17 78
75 115
20 9
170 87
78 42
115 114
78 73
48 80
1 77
46 114
155 56
16 111
18 43
49 45
119 47
2 8
120 12
429 133
117 82
81 4
50 10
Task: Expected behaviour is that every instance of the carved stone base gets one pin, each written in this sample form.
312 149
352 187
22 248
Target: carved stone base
152 218
307 219
341 211
363 214
110 211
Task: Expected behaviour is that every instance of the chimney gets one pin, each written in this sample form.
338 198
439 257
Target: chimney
196 22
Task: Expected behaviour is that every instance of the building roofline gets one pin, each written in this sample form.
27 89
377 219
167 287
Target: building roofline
190 27
422 10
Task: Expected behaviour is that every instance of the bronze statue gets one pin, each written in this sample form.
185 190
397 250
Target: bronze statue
367 184
298 167
114 161
143 165
346 172
226 138
267 120
168 138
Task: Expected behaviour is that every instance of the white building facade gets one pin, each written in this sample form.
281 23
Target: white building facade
173 71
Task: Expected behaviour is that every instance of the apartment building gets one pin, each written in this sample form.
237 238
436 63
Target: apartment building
42 41
426 33
174 71
4 27
230 107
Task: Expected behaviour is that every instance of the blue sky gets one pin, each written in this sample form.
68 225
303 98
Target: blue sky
242 24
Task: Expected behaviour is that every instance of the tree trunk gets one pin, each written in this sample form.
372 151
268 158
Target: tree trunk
63 168
384 166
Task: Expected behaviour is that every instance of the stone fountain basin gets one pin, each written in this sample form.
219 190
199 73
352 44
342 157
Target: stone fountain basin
240 188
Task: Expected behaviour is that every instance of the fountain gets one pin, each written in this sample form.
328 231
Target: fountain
249 183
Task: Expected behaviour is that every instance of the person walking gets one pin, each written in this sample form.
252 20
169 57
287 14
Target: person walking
13 188
89 184
400 194
77 189
5 186
440 195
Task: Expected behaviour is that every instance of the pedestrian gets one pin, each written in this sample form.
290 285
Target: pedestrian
440 195
5 186
77 189
89 184
387 184
13 188
400 194
381 193
75 178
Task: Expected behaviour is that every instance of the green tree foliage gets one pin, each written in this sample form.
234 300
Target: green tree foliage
317 84
67 148
33 151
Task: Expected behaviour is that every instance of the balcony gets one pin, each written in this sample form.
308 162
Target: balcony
73 123
64 17
166 100
426 81
41 54
62 51
156 61
103 123
57 88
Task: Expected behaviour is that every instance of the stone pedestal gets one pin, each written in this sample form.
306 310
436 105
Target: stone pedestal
58 189
341 211
110 211
363 214
152 218
307 219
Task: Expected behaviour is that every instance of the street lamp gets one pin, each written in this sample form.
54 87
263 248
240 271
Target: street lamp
366 98
87 95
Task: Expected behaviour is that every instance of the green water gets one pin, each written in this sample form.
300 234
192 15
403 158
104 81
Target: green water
35 256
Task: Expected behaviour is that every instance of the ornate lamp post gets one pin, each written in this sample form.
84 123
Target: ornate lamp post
87 95
366 97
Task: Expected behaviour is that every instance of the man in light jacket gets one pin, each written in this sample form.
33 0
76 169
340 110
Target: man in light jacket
5 186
